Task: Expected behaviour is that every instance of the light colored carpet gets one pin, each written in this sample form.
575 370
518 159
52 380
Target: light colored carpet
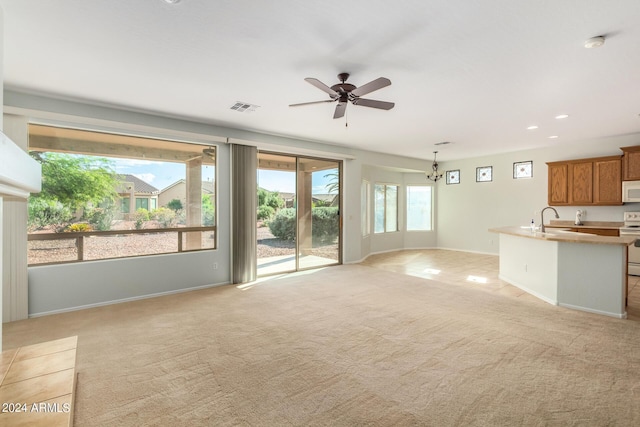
347 346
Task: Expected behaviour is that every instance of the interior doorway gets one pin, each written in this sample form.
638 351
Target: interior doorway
299 200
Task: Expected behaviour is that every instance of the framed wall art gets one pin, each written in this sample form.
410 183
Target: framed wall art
453 177
523 169
484 174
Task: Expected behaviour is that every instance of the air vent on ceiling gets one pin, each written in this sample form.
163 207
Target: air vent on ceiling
244 107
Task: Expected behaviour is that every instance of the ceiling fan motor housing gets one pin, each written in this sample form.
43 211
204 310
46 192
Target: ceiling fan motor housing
344 89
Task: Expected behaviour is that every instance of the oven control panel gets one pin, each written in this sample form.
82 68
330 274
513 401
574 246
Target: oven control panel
631 219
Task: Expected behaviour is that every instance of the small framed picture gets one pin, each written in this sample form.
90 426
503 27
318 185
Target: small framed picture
453 177
523 169
484 174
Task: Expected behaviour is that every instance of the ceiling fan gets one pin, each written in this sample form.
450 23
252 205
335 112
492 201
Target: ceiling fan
344 92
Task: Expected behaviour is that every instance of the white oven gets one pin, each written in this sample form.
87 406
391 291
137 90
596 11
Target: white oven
632 228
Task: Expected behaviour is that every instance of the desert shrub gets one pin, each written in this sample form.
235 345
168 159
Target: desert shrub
265 212
140 216
47 212
164 216
283 224
101 217
78 226
325 224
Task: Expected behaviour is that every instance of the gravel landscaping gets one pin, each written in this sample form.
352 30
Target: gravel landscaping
101 247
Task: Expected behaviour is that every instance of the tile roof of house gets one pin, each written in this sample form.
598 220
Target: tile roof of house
139 186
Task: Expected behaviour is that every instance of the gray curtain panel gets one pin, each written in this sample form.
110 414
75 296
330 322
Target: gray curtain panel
244 163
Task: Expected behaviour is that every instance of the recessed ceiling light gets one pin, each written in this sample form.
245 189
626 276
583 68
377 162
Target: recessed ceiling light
594 42
172 1
532 127
553 137
562 116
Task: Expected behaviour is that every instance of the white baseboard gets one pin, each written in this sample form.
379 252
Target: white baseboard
528 290
418 249
591 310
118 301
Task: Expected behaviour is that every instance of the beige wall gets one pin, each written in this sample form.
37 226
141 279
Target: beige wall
178 191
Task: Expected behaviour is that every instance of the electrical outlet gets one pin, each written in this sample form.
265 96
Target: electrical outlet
525 268
215 265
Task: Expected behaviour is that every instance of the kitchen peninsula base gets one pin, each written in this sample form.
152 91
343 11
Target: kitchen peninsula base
587 273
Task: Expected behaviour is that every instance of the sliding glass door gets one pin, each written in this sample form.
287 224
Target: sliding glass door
318 212
298 213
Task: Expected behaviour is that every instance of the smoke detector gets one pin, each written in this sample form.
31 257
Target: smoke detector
594 42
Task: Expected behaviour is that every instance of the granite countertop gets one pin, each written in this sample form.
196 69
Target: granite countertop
565 235
607 225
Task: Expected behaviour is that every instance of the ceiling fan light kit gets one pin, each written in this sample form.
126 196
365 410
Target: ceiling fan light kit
344 92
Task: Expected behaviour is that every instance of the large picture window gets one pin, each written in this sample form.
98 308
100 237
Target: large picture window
386 208
419 208
111 196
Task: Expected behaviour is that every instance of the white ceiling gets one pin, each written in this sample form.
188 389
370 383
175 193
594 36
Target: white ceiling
473 73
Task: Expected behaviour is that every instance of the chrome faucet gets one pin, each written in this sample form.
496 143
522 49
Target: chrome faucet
542 217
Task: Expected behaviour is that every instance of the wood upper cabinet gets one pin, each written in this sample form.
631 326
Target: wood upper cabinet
607 181
558 192
631 163
596 181
581 183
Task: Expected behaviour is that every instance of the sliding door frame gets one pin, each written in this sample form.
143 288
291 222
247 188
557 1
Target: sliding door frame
340 165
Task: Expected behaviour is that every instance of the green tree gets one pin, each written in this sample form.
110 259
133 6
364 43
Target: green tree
208 211
75 180
270 198
333 185
70 183
175 205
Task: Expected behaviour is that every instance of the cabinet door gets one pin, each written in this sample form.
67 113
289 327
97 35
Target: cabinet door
607 182
581 183
558 192
631 163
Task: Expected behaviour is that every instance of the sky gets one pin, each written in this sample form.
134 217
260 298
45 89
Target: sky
285 182
163 174
158 174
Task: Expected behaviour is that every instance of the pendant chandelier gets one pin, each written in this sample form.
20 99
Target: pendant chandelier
434 175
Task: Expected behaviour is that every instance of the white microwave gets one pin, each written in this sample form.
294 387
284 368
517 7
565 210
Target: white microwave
630 191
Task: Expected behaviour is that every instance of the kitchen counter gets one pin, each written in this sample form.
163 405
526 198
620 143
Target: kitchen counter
575 270
565 235
607 225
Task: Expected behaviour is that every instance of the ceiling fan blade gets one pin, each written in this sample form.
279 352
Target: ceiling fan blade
376 84
323 87
312 102
340 109
382 105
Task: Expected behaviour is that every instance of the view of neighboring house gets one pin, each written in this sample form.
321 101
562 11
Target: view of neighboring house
327 199
135 194
289 199
178 190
